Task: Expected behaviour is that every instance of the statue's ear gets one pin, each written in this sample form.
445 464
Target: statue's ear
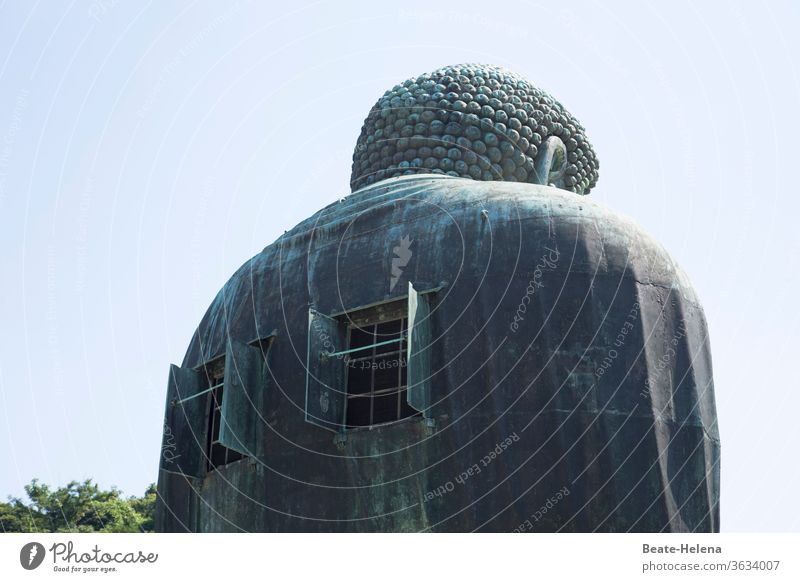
551 163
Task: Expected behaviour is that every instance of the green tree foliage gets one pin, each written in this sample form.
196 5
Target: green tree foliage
77 507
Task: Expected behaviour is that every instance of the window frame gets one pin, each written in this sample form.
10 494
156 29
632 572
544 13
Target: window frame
213 374
400 389
327 376
214 423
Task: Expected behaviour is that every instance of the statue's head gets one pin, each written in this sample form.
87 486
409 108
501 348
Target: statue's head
474 121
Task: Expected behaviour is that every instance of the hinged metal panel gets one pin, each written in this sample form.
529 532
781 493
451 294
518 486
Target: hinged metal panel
242 397
183 441
418 395
325 373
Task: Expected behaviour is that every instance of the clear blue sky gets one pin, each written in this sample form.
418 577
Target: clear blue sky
147 149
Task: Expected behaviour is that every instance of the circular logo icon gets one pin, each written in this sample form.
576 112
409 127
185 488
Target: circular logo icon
31 555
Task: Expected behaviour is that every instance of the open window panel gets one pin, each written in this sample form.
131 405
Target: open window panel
419 347
236 383
369 366
183 443
217 454
377 366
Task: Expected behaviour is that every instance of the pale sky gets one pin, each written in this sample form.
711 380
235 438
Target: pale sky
147 149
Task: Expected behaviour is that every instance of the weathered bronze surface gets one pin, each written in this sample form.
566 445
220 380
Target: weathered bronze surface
558 356
481 122
562 326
